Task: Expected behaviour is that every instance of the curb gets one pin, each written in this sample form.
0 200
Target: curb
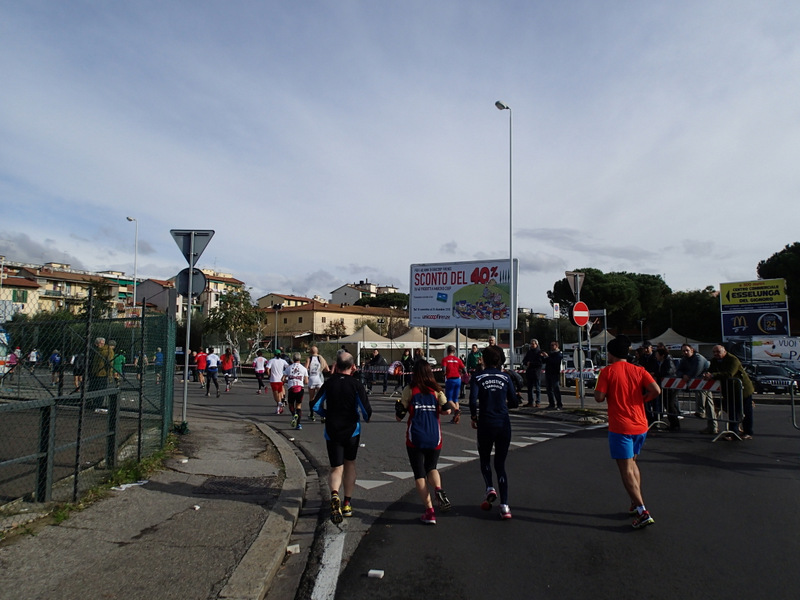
253 576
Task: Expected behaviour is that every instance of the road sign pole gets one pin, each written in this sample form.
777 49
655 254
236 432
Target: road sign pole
580 341
188 333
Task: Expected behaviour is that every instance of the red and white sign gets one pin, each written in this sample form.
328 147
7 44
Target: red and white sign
580 314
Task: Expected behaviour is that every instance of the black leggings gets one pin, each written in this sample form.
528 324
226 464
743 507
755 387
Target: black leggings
500 438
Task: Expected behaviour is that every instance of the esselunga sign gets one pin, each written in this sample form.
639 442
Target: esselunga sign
762 294
474 294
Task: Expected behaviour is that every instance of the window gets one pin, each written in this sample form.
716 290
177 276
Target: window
285 321
299 319
19 296
324 319
356 322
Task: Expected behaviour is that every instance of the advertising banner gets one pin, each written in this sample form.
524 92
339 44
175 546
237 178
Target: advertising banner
754 308
748 324
474 294
762 295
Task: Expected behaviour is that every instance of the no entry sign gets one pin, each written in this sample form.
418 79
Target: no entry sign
580 314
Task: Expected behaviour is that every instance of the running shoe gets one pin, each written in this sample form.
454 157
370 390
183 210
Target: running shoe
295 418
280 408
347 510
429 518
258 392
456 417
217 393
632 510
505 512
299 426
444 501
336 509
643 520
313 417
491 496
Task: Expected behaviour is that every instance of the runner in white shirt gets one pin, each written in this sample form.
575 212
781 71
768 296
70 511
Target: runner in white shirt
276 367
295 376
260 366
316 366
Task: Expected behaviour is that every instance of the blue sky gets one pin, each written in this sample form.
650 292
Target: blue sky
329 142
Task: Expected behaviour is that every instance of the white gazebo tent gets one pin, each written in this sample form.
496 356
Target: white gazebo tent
673 340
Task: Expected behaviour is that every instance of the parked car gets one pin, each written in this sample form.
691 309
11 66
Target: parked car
769 377
588 374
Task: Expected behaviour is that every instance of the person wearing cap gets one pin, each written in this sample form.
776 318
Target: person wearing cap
627 388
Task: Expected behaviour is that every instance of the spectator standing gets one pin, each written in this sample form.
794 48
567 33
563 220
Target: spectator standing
453 369
424 401
377 367
626 388
666 368
725 367
647 360
341 400
100 372
408 364
692 366
491 395
552 376
533 361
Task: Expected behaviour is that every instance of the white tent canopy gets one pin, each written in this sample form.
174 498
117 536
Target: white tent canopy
673 340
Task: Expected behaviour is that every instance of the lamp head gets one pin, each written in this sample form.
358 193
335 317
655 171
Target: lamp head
131 219
501 106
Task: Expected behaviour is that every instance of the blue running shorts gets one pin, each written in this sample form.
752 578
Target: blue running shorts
625 446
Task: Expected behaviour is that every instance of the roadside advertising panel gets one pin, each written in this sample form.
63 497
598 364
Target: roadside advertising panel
754 308
474 294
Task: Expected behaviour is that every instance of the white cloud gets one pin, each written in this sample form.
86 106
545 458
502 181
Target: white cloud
327 143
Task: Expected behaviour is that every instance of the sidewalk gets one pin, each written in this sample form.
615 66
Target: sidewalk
214 524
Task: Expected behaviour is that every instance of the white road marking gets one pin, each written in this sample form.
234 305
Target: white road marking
369 484
328 575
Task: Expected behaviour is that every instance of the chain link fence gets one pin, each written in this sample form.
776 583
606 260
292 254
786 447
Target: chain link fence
79 396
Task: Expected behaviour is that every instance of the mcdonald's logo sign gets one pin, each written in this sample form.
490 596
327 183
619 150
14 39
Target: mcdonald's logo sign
739 324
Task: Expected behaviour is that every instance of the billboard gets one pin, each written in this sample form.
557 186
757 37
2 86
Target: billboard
754 308
761 295
473 294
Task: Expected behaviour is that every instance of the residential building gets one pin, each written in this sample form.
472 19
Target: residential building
61 287
300 325
271 300
216 285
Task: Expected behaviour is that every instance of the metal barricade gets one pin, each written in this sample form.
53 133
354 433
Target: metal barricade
724 399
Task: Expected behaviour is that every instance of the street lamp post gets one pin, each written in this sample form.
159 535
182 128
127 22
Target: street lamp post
276 308
135 258
512 284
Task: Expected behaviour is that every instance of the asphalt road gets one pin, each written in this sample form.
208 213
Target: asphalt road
726 524
725 513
